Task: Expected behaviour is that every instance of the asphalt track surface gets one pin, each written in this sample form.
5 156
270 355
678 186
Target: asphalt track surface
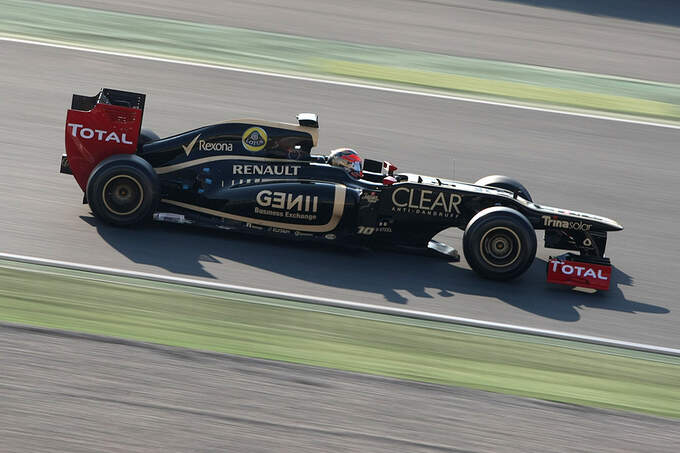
63 393
625 171
629 38
79 394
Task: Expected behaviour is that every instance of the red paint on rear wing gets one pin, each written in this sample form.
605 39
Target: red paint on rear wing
92 136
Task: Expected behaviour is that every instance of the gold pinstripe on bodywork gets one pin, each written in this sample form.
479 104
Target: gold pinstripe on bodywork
206 160
338 210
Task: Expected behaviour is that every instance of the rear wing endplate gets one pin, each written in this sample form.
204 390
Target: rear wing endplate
101 126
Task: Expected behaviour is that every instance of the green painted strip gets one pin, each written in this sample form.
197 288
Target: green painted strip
227 295
227 46
502 88
344 339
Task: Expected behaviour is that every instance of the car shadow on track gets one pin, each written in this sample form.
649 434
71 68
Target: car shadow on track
397 277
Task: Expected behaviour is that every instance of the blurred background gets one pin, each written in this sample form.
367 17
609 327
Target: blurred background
579 100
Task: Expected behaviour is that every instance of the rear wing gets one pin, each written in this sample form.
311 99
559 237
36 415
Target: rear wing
101 126
110 97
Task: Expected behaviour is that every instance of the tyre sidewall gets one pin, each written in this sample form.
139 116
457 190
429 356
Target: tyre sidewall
128 166
505 182
503 218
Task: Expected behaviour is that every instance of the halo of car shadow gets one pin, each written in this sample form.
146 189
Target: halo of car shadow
181 249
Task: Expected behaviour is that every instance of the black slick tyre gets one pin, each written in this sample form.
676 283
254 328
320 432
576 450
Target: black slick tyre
499 243
123 190
504 182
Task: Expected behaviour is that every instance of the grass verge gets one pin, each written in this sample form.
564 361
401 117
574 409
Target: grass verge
343 339
501 88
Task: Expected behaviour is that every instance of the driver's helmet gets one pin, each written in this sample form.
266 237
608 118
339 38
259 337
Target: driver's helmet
348 159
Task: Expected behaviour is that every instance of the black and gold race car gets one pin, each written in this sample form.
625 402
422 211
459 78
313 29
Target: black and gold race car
260 177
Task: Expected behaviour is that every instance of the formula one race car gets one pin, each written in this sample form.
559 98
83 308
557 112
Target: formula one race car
260 177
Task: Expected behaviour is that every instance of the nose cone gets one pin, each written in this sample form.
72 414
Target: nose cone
612 225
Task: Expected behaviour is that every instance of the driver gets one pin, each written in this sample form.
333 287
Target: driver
348 159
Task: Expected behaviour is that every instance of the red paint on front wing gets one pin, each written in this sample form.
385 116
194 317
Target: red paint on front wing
115 130
576 273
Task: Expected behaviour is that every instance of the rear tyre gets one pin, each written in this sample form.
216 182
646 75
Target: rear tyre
499 243
504 182
123 190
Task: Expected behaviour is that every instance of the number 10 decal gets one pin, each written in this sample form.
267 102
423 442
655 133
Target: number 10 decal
367 231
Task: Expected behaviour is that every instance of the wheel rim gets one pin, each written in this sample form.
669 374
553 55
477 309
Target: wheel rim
500 247
122 195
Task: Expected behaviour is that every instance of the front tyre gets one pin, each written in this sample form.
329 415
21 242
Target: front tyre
499 243
123 190
504 182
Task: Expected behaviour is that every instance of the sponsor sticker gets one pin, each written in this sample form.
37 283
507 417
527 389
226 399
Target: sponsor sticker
204 145
369 197
78 130
414 200
271 170
215 146
553 222
254 139
288 205
383 227
576 273
190 146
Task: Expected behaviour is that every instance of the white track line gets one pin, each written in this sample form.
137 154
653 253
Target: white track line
343 304
339 83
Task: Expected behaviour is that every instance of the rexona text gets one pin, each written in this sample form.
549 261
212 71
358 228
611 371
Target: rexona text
97 134
210 146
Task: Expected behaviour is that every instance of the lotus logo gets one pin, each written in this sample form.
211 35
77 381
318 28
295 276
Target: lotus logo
187 148
254 139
